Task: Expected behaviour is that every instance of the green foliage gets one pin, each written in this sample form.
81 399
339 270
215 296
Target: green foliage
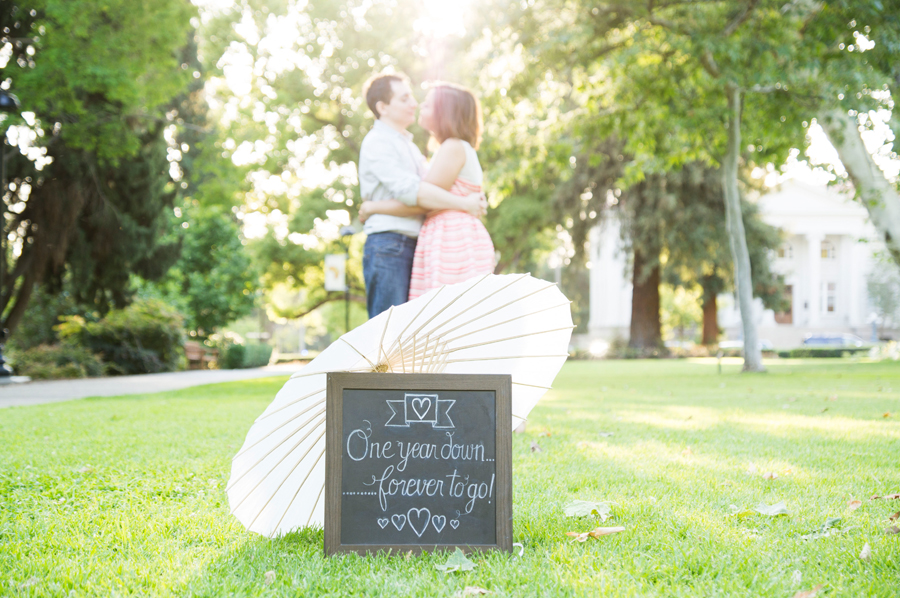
38 325
680 312
251 355
805 352
51 362
214 281
883 285
144 338
103 83
233 356
621 349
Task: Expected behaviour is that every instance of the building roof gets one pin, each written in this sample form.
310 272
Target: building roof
798 208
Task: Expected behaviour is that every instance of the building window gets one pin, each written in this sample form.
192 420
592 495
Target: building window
827 250
829 297
786 251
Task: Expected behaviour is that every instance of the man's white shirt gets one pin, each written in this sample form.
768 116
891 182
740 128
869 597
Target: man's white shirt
391 166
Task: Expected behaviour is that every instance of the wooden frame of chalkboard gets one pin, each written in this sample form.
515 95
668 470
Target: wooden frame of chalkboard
374 510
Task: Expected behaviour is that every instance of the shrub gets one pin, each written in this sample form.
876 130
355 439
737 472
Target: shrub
233 356
619 349
38 324
246 356
50 362
802 352
144 338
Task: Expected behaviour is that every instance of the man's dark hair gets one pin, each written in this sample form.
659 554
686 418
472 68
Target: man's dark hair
378 89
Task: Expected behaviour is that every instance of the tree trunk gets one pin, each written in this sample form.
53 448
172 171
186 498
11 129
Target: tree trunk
646 331
53 212
875 192
737 239
710 321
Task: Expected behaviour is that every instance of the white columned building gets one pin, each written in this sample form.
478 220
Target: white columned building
827 251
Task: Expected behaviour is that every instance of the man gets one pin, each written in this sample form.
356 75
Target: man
391 166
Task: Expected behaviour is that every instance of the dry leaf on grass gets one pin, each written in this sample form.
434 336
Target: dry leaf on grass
770 475
544 433
895 516
809 593
270 578
594 533
687 452
892 530
751 469
854 504
892 496
536 448
866 552
473 591
887 414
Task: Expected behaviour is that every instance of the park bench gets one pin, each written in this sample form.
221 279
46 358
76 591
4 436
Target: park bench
198 356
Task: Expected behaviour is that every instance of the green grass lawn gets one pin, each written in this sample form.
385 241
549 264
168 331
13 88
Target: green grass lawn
119 496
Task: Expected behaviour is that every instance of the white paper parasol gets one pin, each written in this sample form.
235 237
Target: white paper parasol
510 324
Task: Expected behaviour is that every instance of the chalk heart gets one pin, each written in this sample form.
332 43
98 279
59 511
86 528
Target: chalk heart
421 406
454 523
382 523
399 520
438 521
418 520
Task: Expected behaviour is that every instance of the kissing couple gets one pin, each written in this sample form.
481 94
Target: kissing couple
422 219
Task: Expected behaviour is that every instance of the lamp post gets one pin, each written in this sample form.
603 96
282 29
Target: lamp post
10 105
346 231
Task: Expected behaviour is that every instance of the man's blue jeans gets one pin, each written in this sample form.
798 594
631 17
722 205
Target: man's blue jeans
387 266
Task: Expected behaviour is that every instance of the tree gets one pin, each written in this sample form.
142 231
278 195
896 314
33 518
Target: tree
883 284
214 281
691 81
295 119
874 190
697 246
87 196
859 65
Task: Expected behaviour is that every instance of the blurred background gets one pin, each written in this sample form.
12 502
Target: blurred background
175 173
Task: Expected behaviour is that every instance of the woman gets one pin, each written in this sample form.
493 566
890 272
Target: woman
453 246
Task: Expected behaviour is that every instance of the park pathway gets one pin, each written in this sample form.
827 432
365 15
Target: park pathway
54 391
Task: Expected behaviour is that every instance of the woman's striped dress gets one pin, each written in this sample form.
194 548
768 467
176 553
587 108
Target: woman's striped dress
452 246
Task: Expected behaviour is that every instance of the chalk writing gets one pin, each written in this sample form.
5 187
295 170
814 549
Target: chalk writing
414 473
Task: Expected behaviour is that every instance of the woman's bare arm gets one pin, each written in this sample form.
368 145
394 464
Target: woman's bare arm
434 194
447 163
434 191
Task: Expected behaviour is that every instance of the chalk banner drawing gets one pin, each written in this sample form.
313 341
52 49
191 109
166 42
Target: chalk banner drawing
418 467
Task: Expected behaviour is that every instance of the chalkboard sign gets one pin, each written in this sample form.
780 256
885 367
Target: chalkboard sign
418 462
